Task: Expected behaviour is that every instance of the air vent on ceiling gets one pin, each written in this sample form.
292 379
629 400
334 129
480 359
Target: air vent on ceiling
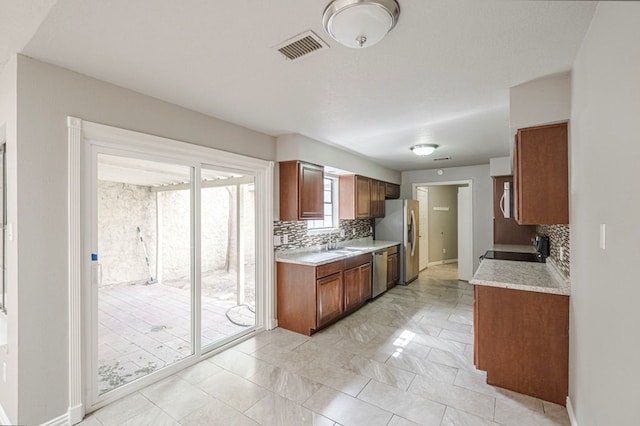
442 159
301 45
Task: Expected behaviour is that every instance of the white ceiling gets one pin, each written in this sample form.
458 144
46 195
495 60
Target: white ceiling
441 76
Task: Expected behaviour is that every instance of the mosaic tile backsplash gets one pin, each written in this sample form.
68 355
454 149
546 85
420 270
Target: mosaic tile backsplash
298 237
558 237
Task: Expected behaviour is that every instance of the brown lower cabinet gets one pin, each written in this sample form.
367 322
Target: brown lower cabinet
393 266
521 339
311 297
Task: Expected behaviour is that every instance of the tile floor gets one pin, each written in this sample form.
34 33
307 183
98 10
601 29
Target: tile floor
403 359
142 328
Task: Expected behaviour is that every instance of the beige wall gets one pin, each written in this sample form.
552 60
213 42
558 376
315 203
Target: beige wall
605 153
443 225
482 193
46 96
541 101
298 147
8 355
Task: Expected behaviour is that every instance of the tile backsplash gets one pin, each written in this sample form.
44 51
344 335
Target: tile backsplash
299 237
558 237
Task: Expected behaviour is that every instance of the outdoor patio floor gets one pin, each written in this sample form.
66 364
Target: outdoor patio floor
142 328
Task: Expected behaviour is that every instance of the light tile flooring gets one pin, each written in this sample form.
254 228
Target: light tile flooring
403 359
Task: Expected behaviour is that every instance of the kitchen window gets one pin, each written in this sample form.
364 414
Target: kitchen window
330 220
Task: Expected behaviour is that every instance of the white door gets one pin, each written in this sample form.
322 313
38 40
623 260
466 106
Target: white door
465 234
423 228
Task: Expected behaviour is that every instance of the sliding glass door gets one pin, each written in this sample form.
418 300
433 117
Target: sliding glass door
227 247
173 260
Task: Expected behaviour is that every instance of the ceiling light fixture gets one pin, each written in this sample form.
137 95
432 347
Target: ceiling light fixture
360 23
422 150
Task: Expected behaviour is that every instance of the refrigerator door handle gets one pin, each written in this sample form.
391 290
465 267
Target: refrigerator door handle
412 233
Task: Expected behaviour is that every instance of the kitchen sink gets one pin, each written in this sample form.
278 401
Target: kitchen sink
345 250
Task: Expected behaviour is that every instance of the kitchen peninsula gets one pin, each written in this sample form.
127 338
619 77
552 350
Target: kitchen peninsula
521 327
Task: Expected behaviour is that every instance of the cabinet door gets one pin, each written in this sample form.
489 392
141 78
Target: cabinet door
357 285
392 191
351 288
381 197
375 205
330 298
392 270
365 282
363 197
301 191
542 175
310 191
377 198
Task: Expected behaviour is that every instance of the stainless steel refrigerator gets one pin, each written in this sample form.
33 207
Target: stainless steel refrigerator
400 223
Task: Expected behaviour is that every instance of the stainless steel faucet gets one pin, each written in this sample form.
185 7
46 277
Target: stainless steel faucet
331 245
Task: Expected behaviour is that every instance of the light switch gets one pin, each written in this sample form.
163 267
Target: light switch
603 236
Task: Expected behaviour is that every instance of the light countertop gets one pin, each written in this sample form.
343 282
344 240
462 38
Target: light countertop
315 256
529 276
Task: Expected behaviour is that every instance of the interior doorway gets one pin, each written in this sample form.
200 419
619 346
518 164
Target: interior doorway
446 236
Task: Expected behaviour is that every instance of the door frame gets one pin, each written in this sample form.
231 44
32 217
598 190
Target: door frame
469 240
80 133
424 211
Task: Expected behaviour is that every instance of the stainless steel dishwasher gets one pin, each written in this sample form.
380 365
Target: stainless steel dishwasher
379 272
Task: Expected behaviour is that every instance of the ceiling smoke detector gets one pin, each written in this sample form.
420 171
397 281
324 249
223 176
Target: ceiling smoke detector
360 23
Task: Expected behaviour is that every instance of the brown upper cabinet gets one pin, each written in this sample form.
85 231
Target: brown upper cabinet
363 198
541 175
392 191
301 191
378 191
355 197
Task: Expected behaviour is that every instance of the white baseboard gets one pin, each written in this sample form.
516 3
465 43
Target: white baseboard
572 415
76 414
62 420
4 419
442 262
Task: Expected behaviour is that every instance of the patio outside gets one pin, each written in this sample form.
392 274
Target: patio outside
146 242
144 327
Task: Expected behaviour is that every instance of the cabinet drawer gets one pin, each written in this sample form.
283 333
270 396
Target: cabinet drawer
328 269
352 262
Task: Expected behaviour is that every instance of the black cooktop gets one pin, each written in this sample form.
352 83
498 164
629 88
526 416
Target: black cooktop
512 255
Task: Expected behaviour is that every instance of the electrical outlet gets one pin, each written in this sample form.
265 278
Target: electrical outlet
444 250
342 233
353 232
561 254
285 239
277 240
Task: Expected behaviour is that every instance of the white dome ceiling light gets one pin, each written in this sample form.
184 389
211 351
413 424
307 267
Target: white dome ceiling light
423 150
360 23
